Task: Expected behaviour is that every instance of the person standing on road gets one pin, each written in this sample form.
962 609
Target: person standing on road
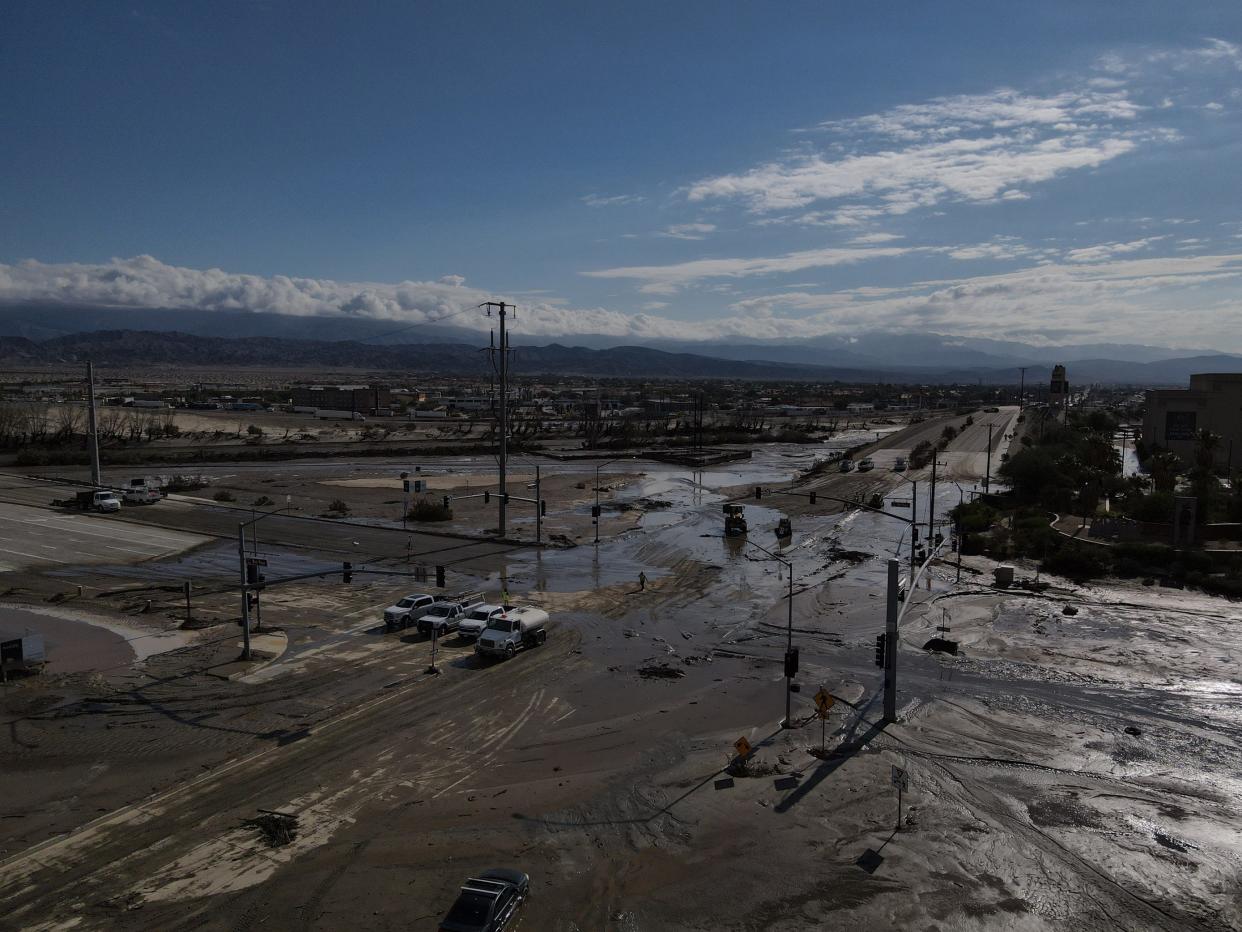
642 582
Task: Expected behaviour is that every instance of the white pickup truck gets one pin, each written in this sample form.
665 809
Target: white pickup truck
510 632
398 615
473 624
445 616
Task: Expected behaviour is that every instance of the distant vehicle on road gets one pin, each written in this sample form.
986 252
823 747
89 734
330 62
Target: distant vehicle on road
847 465
473 624
489 902
445 616
991 410
899 464
512 631
866 465
325 414
397 616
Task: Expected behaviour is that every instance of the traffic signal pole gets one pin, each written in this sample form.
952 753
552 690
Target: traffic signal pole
890 642
245 592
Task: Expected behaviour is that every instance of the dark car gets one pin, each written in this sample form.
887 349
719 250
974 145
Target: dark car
488 903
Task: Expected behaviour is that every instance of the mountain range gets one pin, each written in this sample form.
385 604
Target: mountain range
45 335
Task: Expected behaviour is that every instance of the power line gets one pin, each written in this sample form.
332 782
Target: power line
421 323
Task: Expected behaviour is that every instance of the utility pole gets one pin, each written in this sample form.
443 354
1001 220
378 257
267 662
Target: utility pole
987 476
92 432
931 505
502 312
245 592
890 644
914 525
538 508
788 651
1022 389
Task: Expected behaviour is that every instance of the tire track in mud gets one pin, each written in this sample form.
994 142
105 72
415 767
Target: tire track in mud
72 875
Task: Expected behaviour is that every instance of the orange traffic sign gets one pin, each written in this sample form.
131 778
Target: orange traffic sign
742 746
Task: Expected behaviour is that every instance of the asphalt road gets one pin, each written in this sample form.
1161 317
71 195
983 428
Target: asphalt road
183 517
36 537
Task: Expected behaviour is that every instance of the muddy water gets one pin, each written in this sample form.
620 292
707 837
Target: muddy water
79 644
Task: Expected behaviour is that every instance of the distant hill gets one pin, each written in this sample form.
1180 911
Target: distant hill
169 349
928 355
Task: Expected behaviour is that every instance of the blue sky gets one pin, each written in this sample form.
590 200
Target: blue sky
1053 172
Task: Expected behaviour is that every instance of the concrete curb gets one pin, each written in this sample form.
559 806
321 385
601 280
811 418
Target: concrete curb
272 646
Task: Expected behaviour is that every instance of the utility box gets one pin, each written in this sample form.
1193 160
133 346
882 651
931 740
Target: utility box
22 655
1003 576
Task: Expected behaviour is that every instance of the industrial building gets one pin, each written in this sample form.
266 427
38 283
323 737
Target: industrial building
1176 415
363 399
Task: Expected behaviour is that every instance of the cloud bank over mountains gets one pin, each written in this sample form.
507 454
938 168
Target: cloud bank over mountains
1073 299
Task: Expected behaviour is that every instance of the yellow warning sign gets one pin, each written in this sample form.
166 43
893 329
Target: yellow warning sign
742 746
823 702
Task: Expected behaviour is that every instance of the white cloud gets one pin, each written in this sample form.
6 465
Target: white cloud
616 200
1110 250
666 279
872 239
902 180
688 230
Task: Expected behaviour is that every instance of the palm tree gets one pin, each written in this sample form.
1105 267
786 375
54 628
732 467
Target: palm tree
1206 445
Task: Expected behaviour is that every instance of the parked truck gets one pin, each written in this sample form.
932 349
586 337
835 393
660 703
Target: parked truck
144 490
512 631
446 615
398 615
102 500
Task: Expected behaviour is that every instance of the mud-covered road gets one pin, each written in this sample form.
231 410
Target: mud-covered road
1065 771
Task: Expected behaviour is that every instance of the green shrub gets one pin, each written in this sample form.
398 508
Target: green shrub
1077 563
430 511
224 495
339 506
262 502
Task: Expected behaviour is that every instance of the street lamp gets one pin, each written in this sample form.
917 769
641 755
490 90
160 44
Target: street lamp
788 722
596 516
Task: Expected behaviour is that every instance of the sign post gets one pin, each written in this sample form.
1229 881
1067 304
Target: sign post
742 746
901 780
823 704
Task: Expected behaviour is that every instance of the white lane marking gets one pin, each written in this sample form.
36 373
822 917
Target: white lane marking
32 556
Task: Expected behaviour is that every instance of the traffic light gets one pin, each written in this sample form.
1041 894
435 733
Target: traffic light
252 574
812 498
252 599
487 497
881 641
504 497
448 501
347 572
758 491
440 577
543 508
791 662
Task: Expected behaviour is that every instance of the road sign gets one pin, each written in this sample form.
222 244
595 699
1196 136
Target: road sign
742 746
900 503
823 702
255 561
901 779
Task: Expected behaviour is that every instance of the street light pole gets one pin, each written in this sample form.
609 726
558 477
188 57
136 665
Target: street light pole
987 476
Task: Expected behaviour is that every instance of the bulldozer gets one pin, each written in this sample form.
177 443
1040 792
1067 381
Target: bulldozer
735 521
